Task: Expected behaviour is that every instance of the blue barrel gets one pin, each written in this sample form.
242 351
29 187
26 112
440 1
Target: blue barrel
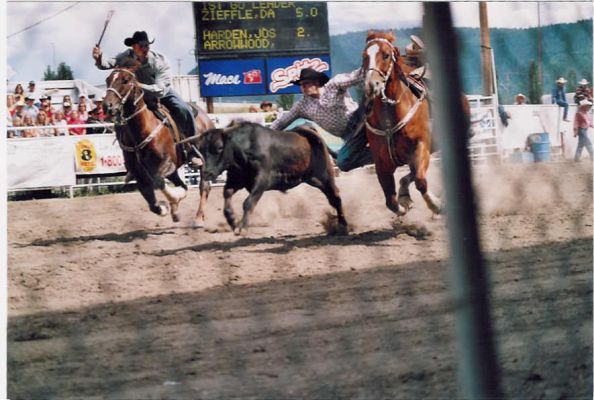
540 146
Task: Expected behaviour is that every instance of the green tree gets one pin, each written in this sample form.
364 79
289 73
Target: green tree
534 87
49 74
571 80
64 72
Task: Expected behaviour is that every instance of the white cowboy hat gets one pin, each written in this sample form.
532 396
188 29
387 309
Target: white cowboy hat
520 95
585 102
583 82
561 80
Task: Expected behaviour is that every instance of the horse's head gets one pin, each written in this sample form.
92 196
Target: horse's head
122 89
380 57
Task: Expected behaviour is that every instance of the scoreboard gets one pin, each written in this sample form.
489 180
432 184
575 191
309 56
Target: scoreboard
259 47
235 28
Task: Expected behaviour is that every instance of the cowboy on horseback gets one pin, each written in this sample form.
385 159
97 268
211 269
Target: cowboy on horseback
328 103
154 77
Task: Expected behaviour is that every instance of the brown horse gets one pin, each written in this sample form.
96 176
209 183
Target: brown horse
397 125
151 148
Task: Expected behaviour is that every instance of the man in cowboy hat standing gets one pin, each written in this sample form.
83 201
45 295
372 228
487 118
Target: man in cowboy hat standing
583 92
582 122
154 76
328 103
558 97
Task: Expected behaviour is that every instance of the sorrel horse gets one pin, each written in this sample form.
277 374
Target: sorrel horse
397 125
152 149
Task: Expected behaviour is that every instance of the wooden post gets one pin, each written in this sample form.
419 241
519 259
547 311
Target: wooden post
485 50
209 105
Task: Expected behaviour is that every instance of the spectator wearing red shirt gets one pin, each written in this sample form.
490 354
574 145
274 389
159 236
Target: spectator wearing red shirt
75 119
582 122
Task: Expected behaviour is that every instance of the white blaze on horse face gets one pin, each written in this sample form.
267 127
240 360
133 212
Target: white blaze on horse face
374 82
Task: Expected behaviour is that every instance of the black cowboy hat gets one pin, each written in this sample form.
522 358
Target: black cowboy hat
139 37
308 74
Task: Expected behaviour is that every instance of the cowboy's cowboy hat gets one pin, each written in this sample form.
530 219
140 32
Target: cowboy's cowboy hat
561 80
520 95
585 102
308 74
583 82
139 37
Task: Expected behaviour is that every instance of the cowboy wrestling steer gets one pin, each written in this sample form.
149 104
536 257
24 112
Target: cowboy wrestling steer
259 159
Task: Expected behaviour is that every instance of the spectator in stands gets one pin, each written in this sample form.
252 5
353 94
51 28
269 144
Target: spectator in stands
19 92
82 111
520 99
46 105
581 123
94 118
583 92
75 119
16 122
59 121
30 108
67 98
10 105
98 112
253 109
32 92
558 96
28 133
41 121
20 109
67 108
266 106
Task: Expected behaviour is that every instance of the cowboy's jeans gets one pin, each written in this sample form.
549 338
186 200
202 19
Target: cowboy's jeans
562 103
181 113
354 153
583 141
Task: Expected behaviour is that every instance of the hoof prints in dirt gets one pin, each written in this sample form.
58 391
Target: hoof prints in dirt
110 237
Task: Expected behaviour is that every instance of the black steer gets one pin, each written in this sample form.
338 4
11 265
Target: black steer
258 159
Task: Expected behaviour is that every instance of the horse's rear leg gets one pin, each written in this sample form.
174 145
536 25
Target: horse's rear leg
204 192
422 157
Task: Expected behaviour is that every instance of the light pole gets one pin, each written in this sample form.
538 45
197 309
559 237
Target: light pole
53 55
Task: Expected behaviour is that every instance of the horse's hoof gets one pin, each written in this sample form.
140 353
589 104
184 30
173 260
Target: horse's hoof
163 208
197 224
405 202
175 217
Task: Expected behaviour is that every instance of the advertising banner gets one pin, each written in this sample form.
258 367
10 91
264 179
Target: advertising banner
39 162
283 70
220 78
97 154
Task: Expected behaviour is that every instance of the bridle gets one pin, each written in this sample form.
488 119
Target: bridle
385 76
124 98
123 120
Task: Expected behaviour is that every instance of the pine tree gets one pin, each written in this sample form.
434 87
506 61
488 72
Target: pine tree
49 74
64 72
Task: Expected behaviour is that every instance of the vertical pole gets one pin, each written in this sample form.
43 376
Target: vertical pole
478 371
538 49
209 105
485 50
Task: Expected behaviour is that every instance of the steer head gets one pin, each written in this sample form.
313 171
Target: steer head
212 146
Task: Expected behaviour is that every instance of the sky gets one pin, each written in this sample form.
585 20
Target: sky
47 33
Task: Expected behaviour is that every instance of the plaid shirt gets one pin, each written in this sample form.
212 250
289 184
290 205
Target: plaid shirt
332 110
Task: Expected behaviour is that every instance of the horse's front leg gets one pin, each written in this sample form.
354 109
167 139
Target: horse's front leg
404 198
386 180
174 194
422 157
146 186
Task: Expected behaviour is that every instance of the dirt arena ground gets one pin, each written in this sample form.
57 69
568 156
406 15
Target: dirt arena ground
108 301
